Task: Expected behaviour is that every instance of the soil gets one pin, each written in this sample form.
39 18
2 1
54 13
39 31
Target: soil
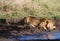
20 29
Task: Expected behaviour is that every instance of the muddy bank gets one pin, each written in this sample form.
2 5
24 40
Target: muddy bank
5 39
18 28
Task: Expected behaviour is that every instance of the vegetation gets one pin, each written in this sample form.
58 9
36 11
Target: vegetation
36 8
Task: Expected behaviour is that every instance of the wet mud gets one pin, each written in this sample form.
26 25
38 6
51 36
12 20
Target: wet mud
18 28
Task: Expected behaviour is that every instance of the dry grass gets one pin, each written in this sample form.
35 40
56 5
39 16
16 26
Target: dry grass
22 8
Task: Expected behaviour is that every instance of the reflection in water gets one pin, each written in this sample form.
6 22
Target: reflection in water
50 36
40 36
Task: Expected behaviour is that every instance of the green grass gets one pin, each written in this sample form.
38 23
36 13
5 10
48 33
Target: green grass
36 8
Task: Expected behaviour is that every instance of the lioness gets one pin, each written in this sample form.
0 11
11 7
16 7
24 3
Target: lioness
44 23
47 24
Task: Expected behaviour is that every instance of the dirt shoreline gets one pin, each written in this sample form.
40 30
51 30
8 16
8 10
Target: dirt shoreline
17 29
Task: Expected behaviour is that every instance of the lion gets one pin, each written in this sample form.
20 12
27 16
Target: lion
47 24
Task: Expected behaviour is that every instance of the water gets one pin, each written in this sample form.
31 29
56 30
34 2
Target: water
38 36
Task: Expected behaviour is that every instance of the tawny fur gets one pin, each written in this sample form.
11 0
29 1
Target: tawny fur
49 25
37 22
32 21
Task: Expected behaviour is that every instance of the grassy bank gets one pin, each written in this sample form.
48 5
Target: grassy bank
22 8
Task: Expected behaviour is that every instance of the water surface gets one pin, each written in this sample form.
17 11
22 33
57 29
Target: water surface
38 36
